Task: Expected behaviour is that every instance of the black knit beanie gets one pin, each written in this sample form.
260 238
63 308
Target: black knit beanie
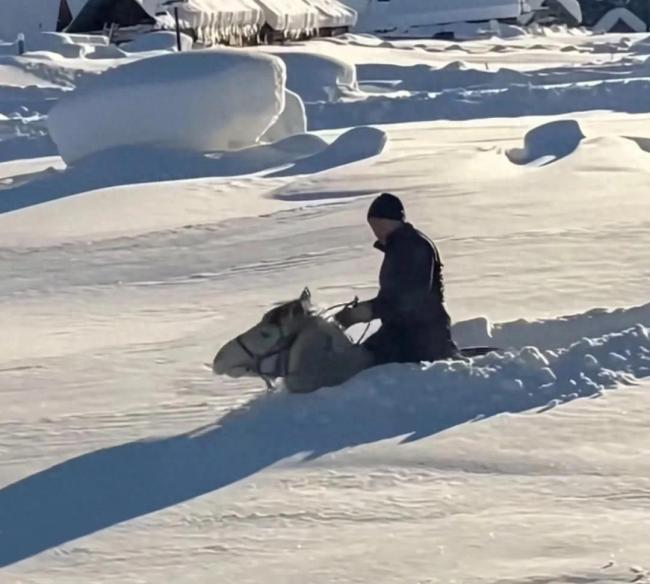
386 206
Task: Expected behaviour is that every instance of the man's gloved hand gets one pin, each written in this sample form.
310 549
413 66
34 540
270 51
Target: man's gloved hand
361 312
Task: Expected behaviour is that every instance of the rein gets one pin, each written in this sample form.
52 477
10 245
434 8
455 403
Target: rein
345 305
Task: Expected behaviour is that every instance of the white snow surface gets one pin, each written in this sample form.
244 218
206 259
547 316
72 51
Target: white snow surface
317 77
191 101
163 40
292 119
123 459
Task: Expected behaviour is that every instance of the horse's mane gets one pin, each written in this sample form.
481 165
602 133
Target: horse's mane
276 316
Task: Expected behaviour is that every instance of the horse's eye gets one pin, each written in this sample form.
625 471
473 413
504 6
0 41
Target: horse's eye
265 334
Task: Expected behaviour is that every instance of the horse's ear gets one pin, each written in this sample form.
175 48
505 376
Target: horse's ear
305 298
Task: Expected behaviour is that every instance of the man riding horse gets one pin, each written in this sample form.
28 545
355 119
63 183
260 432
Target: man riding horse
415 325
308 351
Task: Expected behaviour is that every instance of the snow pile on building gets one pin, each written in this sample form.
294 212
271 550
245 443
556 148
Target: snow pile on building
216 100
382 15
216 20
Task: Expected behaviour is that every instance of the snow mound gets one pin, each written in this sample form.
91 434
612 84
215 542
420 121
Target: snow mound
549 333
454 75
352 146
511 101
137 164
129 165
416 401
292 120
70 46
547 143
191 101
157 41
318 77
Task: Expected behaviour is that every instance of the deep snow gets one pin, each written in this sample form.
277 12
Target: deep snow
122 459
190 101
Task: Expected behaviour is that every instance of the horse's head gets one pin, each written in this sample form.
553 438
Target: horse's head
257 351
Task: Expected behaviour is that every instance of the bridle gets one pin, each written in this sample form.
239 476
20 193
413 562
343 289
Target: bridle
281 368
281 350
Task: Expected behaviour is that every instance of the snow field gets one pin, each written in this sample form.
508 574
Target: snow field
123 459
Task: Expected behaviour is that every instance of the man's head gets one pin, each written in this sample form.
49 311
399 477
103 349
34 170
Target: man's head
385 215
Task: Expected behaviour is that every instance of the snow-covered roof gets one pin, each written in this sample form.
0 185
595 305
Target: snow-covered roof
217 19
332 13
212 19
291 16
384 14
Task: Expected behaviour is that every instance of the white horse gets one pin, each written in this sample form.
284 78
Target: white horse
293 342
296 343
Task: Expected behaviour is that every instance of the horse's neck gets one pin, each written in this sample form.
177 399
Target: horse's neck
317 327
323 355
327 328
294 327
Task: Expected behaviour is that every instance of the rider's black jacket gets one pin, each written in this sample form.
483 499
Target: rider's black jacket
410 302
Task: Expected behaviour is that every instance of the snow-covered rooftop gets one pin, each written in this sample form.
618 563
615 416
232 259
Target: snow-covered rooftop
212 19
387 14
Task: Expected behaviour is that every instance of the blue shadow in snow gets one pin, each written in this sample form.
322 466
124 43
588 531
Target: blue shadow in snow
106 487
130 165
99 489
548 143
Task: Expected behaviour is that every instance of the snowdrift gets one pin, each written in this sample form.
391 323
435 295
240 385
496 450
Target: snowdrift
292 120
488 102
221 99
163 40
130 165
108 486
547 143
316 77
